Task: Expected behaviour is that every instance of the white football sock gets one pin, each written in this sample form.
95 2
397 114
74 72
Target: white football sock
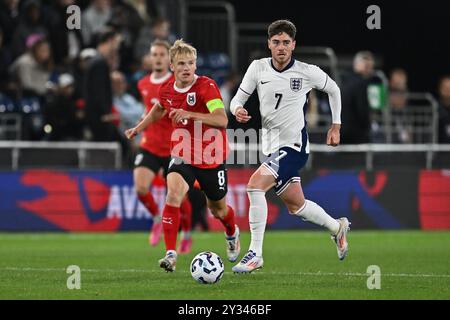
314 213
257 219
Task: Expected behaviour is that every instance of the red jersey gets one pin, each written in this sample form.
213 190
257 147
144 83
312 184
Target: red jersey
205 146
156 137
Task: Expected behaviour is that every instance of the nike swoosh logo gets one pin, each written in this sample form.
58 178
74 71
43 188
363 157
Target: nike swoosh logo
264 82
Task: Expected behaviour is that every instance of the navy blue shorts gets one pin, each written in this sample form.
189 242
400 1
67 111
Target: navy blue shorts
285 166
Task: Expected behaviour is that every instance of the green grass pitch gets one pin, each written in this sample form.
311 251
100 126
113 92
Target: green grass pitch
298 265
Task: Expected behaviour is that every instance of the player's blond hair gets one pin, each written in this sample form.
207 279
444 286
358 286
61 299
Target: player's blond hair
181 48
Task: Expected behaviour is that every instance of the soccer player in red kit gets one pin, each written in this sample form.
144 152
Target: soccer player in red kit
154 153
199 147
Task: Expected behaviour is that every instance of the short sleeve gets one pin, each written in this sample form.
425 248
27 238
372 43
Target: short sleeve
211 91
212 96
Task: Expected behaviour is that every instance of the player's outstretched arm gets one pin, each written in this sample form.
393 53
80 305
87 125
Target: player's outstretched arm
334 97
323 82
246 88
155 114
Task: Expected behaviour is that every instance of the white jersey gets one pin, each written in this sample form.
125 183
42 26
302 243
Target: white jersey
283 97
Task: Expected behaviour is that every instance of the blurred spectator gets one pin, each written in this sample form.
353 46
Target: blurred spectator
398 99
94 18
398 88
66 44
355 104
64 120
31 22
79 69
9 19
159 29
127 22
444 110
31 73
129 108
97 88
32 69
87 53
229 88
144 69
170 9
141 8
5 62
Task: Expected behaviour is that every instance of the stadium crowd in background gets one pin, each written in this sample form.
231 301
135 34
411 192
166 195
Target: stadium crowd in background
37 49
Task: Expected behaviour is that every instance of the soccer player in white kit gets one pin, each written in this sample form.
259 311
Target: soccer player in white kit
283 86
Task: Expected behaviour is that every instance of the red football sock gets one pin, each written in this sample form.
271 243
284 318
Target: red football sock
228 222
149 202
186 215
171 223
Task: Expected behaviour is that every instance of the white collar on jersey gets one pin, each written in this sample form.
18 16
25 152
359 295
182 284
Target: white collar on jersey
184 90
159 80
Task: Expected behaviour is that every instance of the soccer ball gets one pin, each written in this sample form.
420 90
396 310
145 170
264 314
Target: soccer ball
207 268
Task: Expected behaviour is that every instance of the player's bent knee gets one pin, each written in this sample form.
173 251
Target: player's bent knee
254 185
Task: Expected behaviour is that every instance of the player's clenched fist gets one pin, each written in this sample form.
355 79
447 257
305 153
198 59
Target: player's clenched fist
131 133
242 115
333 135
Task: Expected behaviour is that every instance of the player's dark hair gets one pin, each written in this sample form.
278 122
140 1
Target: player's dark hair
280 26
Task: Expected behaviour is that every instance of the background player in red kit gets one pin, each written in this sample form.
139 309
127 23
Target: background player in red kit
154 152
198 147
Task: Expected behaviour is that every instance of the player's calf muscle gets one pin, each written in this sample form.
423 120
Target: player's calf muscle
293 208
218 213
293 204
218 209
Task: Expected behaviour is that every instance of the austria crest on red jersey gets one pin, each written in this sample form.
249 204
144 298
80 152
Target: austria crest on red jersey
191 99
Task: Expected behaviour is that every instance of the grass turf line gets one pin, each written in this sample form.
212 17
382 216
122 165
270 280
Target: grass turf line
297 265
